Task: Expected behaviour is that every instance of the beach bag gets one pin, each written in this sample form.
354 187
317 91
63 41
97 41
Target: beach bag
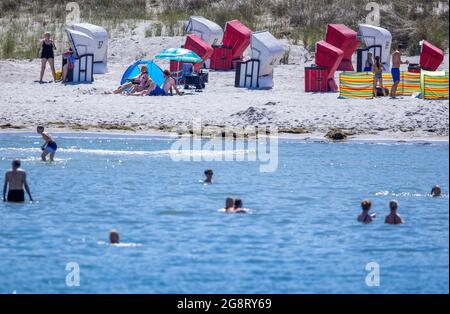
58 75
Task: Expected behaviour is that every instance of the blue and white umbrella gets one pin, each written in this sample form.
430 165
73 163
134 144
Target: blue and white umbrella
180 55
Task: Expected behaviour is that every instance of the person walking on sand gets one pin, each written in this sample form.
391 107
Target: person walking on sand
49 147
377 69
365 217
15 183
46 48
393 218
395 71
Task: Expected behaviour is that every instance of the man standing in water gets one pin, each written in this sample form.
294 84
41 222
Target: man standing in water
394 218
395 71
49 147
15 182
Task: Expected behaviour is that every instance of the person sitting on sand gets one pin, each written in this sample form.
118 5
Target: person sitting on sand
394 218
209 176
49 147
138 83
15 182
239 206
436 191
378 69
365 217
168 86
114 237
229 205
70 61
46 47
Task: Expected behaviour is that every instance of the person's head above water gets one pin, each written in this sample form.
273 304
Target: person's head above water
209 175
229 203
40 129
238 203
15 164
114 237
393 205
366 205
436 191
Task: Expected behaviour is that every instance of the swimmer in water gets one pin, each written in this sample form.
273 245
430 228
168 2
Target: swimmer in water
49 147
209 176
436 191
229 205
239 206
394 218
114 237
365 217
15 182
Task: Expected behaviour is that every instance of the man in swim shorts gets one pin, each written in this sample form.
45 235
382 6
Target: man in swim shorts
167 88
15 182
49 147
365 217
393 218
395 71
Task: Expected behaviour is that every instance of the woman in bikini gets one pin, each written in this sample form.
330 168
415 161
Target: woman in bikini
378 69
136 84
47 46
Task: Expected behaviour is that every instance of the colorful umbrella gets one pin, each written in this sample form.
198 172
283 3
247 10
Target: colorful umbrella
179 54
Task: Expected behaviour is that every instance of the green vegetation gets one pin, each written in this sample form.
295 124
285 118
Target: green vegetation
22 22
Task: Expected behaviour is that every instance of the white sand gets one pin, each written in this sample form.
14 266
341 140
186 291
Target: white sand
24 103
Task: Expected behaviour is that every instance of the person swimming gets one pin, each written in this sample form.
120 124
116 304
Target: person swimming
393 218
15 182
229 205
436 191
49 147
239 206
114 237
209 176
365 217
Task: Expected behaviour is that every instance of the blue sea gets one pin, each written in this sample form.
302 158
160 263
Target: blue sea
300 235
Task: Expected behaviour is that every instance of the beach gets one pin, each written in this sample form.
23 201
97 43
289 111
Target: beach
25 103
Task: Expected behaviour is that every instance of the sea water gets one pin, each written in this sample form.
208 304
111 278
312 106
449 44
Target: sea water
301 235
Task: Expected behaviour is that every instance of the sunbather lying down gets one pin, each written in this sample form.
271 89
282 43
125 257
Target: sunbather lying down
154 90
136 84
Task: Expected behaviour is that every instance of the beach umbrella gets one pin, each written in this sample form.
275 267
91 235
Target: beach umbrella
180 55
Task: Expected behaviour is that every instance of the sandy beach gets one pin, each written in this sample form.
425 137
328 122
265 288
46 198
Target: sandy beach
24 103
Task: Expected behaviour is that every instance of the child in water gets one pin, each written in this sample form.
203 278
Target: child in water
49 147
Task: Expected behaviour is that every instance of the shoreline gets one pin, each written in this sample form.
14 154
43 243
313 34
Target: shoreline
305 137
